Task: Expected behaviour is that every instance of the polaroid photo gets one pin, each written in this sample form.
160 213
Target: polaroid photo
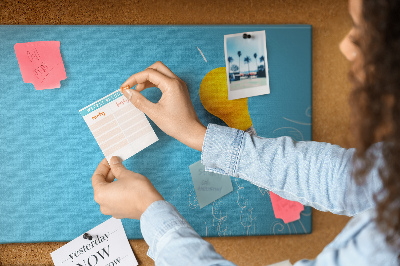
246 64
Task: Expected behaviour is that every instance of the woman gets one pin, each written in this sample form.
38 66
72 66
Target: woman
360 182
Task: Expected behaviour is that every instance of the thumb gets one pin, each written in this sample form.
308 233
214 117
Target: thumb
138 100
117 167
100 174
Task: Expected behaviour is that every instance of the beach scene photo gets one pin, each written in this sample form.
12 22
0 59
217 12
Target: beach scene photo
246 63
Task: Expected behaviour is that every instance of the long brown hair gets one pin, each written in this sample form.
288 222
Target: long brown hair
375 103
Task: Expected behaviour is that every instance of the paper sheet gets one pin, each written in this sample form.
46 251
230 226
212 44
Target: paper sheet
209 186
109 246
282 263
41 63
287 210
118 126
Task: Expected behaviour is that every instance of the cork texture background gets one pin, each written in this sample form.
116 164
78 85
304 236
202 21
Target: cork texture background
330 22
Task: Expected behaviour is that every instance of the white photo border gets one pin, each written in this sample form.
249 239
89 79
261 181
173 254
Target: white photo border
247 92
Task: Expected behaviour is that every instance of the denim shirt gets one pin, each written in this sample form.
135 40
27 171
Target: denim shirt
312 173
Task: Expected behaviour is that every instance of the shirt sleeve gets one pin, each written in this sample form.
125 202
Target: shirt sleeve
313 173
172 241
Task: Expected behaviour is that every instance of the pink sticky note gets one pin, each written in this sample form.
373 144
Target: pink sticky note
41 63
284 209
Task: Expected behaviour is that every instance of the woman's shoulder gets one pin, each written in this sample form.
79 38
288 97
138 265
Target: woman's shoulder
362 240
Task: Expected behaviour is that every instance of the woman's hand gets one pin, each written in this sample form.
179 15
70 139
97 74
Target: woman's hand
173 113
127 197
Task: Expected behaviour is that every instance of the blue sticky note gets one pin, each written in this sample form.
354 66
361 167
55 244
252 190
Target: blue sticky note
209 186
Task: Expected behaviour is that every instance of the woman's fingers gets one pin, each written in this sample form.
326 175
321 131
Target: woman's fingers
174 112
159 80
100 174
143 86
157 66
110 177
141 103
160 67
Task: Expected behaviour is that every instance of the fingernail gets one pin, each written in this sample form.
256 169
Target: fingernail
129 92
115 160
124 88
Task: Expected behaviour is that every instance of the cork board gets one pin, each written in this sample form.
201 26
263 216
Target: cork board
62 189
330 92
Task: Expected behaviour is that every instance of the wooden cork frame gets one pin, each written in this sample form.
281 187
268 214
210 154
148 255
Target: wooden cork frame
330 22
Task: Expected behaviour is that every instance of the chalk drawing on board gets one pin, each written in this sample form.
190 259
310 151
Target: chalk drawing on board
294 227
263 191
173 195
302 226
193 203
297 122
291 132
306 213
307 113
202 54
246 212
220 219
279 226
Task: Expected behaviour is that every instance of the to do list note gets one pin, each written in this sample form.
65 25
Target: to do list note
118 126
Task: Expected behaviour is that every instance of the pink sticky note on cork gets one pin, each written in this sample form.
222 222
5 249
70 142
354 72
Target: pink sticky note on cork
287 210
41 63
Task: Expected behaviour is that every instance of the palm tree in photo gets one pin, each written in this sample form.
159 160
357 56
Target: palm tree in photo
247 60
262 70
255 58
230 59
262 60
239 54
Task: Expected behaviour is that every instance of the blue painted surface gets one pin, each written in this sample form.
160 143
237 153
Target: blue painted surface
48 154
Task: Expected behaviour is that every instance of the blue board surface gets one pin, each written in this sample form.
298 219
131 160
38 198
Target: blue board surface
48 153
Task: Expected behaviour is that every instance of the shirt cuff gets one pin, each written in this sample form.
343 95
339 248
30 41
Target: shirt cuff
221 149
158 219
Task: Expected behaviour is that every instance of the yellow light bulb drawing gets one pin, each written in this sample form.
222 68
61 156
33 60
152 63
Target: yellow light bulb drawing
214 97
